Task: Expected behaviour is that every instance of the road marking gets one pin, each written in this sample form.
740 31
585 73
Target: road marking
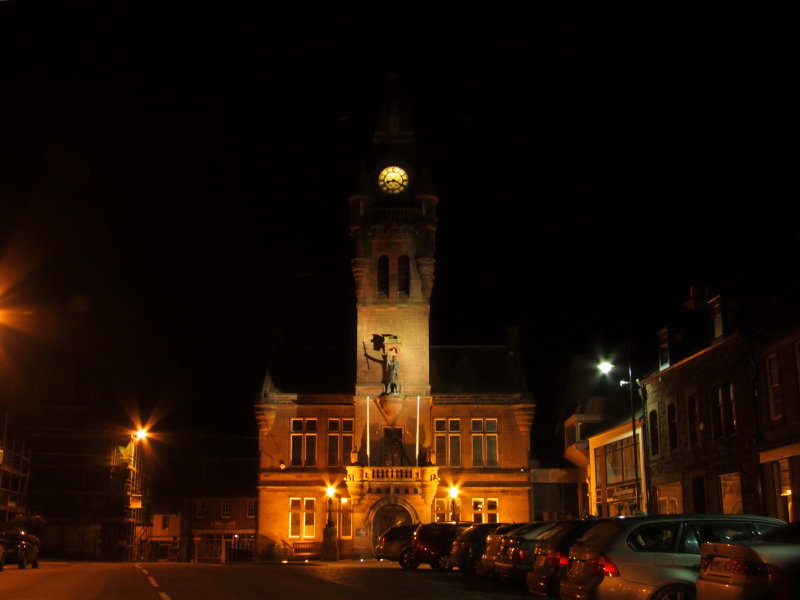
164 596
145 571
152 581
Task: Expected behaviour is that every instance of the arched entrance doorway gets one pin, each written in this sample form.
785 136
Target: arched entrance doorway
389 515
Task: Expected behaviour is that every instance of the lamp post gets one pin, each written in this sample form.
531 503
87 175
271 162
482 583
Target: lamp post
330 492
606 367
453 496
330 545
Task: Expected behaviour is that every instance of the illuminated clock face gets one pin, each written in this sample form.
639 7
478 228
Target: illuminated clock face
393 180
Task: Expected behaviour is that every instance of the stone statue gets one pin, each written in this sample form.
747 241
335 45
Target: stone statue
392 377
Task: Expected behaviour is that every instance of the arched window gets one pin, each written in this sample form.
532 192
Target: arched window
403 275
383 275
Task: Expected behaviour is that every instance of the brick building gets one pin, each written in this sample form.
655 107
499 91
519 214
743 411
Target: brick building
399 431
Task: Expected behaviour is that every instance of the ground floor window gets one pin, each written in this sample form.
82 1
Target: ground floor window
445 509
484 511
731 492
670 498
342 515
778 477
302 517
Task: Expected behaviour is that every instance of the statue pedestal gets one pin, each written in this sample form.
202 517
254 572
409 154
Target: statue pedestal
330 547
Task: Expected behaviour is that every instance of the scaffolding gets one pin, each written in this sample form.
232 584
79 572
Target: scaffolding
15 469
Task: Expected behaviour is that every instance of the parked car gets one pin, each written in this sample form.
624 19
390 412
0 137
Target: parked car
19 548
550 555
765 567
493 547
515 557
432 543
469 546
395 544
650 557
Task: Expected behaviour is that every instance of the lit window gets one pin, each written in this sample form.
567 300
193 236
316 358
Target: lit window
484 442
302 517
251 508
164 521
340 441
731 492
448 442
225 508
303 448
484 511
342 515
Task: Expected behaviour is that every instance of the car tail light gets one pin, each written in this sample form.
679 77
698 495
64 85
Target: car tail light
704 564
604 566
753 569
557 559
521 553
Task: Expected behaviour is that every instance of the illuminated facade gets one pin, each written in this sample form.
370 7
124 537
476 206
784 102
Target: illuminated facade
417 433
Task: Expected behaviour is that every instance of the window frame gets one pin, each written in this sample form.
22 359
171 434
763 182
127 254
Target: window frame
482 438
304 514
773 381
306 436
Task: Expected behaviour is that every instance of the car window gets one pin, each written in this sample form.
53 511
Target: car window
601 534
557 532
788 533
764 529
691 543
721 532
655 537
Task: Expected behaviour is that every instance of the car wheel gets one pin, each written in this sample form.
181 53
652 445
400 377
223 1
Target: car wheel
35 563
676 592
440 563
23 561
407 560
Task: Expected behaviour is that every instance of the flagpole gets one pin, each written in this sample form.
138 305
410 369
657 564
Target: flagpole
417 430
368 426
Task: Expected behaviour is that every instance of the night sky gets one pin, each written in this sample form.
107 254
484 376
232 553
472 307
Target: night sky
174 180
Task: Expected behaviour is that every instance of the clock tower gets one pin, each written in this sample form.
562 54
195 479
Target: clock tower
393 228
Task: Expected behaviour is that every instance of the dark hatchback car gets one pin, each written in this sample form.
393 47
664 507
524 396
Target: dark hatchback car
395 544
433 542
19 548
469 546
493 547
515 557
551 555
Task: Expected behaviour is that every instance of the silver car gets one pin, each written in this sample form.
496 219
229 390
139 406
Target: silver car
650 557
767 567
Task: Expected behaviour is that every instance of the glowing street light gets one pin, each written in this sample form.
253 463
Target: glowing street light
606 367
453 495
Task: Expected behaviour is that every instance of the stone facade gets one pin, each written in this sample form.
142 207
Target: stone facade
423 433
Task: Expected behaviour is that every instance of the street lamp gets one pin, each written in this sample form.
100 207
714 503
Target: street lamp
606 367
330 491
330 545
453 496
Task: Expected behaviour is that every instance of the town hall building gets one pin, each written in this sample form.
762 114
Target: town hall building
413 432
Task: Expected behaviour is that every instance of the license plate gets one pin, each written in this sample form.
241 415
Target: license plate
720 565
